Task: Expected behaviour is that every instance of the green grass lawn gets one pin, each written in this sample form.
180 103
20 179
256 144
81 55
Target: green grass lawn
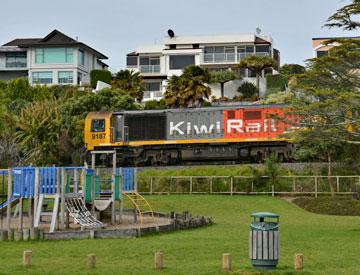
331 244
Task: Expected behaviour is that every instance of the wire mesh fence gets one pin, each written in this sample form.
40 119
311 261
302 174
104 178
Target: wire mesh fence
291 185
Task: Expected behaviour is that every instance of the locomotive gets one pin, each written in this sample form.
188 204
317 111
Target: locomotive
239 133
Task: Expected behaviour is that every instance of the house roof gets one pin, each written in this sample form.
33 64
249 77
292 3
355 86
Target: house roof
55 38
340 37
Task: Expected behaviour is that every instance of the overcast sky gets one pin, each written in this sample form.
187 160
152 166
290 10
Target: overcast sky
116 27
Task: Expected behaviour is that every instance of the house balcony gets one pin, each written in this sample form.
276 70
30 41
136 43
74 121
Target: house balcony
149 69
228 58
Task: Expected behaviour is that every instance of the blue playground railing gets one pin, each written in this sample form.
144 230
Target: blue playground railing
23 182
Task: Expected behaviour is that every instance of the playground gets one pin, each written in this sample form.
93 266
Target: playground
330 244
58 203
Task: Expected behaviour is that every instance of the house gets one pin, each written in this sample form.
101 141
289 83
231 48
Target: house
157 63
54 59
321 48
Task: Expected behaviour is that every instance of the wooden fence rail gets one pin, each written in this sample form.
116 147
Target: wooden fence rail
287 185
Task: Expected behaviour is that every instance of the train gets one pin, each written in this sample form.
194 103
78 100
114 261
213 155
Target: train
241 133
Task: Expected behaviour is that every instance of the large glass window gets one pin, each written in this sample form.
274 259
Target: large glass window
53 55
66 77
42 77
131 61
179 62
149 64
322 53
152 86
15 60
81 58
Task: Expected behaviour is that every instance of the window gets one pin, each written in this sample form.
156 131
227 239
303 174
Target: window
179 62
196 46
249 49
15 60
149 64
53 55
172 46
262 48
42 77
322 53
65 77
152 86
252 115
131 61
81 58
98 125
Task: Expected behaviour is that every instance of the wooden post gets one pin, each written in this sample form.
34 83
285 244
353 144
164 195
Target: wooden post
93 184
27 254
9 196
231 185
58 192
30 212
316 187
227 262
151 185
21 212
273 190
252 186
91 260
159 260
299 262
191 185
62 205
211 184
135 180
337 184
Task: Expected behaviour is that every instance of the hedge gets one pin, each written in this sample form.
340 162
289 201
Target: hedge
102 75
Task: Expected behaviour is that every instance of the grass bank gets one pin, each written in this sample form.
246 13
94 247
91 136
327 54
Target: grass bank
330 243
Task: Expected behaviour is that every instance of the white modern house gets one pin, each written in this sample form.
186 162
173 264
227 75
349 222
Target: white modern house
157 63
55 59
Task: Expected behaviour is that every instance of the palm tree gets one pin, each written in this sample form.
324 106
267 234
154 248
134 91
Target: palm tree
257 64
131 82
189 89
222 77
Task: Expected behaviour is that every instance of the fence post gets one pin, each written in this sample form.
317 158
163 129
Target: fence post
231 185
294 184
273 190
171 183
316 187
191 184
211 184
252 185
62 205
337 184
151 185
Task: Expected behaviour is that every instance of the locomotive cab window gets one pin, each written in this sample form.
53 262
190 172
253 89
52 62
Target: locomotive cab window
98 125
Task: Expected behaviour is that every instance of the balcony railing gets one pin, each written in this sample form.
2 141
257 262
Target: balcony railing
149 69
219 57
16 64
228 57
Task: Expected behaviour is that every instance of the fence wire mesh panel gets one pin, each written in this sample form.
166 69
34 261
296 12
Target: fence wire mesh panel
292 185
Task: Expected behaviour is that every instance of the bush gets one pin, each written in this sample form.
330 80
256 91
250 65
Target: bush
102 75
247 89
277 81
155 105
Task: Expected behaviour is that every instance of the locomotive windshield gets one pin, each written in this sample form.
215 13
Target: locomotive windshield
98 125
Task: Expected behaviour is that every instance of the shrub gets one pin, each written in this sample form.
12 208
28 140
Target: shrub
247 89
277 81
102 75
155 105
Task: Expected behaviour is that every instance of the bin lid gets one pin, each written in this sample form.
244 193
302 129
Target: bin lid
265 215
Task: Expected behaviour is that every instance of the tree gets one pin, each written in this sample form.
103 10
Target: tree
257 64
188 89
291 69
247 89
221 77
130 82
345 17
326 104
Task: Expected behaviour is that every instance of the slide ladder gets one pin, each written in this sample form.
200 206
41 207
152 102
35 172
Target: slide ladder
81 215
141 205
53 200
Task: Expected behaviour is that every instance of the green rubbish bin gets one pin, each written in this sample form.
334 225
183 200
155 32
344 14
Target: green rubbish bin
264 240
